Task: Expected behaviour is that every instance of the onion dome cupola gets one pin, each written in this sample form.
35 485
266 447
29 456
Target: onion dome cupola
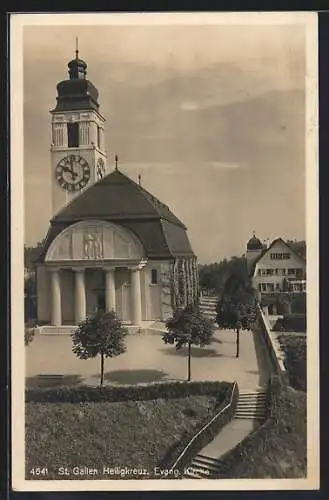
76 92
254 243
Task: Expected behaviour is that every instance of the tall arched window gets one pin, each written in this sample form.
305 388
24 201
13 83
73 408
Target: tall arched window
73 134
154 277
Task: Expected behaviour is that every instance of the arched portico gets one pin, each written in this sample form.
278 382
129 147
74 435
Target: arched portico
95 248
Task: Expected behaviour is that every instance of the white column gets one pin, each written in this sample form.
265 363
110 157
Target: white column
65 136
80 295
109 289
136 300
147 280
56 306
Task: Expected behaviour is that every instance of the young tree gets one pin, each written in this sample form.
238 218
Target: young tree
188 327
237 308
100 335
237 312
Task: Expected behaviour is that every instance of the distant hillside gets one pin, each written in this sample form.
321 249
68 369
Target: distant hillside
214 276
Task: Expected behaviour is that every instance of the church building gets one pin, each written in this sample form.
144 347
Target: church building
111 244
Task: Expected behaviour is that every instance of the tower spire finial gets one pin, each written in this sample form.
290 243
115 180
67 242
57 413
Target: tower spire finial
77 48
116 162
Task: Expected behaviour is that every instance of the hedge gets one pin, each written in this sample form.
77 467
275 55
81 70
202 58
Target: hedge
291 323
164 390
204 438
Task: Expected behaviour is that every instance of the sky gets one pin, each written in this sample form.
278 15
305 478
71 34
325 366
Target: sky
211 116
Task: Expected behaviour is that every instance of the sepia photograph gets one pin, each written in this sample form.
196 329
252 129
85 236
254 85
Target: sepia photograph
164 237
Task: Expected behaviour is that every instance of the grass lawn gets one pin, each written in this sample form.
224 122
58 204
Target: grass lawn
279 449
132 434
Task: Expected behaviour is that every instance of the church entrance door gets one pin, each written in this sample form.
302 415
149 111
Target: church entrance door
101 306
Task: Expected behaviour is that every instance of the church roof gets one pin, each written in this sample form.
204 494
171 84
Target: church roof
76 93
116 197
119 199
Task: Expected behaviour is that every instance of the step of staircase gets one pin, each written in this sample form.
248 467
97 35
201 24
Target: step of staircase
250 411
203 467
57 330
210 307
252 405
244 401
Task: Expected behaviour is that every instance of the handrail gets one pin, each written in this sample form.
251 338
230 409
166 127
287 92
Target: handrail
205 427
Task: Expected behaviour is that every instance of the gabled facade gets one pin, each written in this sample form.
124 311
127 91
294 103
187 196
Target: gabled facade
276 270
279 269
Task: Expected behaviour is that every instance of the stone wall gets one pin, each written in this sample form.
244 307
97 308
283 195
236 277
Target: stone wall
272 346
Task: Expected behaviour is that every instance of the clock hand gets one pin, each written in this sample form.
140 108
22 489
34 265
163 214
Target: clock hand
74 174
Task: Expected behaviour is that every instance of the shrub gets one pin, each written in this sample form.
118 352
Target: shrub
291 323
295 359
28 335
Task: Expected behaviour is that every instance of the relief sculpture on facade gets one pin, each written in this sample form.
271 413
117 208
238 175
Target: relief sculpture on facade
92 245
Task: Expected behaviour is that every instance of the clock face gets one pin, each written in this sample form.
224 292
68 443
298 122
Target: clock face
100 169
72 173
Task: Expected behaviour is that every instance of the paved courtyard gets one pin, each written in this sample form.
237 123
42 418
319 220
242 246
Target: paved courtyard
148 359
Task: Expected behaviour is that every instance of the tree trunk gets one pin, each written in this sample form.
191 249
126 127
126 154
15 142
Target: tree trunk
237 342
102 369
189 363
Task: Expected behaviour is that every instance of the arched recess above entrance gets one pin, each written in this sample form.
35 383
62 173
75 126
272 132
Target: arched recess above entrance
95 240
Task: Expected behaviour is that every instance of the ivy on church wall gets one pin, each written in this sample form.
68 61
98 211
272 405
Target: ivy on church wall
184 282
165 281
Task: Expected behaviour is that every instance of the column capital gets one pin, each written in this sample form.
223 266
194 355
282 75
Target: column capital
139 266
54 269
79 269
108 268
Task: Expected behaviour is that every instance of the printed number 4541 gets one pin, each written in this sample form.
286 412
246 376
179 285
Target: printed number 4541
39 471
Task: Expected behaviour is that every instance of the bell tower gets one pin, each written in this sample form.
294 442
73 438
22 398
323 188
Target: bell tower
78 155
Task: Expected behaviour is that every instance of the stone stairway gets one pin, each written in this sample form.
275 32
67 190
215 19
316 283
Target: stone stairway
208 306
203 467
56 330
251 407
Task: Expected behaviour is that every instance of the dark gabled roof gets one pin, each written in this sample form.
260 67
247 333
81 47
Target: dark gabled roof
120 200
116 197
252 270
